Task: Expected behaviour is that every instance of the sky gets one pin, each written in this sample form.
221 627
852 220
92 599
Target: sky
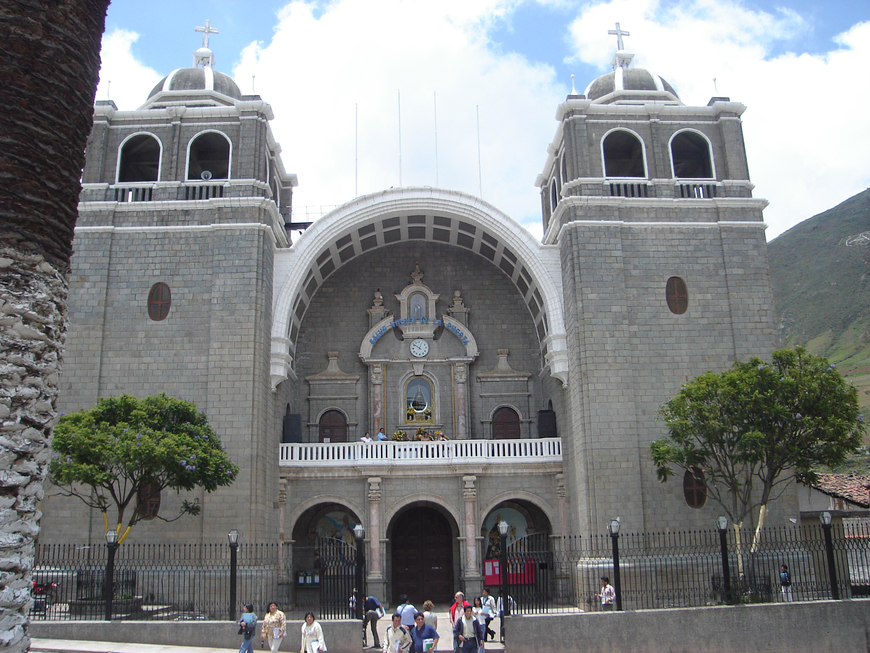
462 94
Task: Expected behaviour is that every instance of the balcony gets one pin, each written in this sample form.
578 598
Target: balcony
452 452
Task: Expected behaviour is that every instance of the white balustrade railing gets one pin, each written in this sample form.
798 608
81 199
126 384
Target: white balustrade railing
451 451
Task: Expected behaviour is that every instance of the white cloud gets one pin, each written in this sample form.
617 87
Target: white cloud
318 67
123 79
805 121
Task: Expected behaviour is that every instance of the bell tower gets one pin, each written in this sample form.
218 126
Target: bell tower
664 273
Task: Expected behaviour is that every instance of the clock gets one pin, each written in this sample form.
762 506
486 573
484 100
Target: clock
419 348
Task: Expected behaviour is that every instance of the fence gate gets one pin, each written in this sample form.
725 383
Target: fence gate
337 577
530 562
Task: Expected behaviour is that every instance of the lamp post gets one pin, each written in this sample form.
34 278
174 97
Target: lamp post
359 534
503 568
233 537
825 518
613 529
722 525
109 581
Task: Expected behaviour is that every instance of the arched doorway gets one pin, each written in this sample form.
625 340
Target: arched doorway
422 556
333 427
505 424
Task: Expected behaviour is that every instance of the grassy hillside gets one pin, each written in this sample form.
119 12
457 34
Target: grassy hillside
820 270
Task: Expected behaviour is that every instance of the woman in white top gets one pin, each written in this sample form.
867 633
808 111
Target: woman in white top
312 635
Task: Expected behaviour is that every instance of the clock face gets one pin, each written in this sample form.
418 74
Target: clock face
419 348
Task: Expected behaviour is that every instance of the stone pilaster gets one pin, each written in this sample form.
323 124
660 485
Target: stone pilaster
460 381
472 579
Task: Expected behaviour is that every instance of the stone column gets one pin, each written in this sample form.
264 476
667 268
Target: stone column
560 495
376 377
375 577
460 381
473 580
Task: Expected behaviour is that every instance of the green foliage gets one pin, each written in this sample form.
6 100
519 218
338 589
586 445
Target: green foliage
753 427
125 444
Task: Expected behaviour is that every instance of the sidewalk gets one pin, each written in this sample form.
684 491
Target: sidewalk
290 643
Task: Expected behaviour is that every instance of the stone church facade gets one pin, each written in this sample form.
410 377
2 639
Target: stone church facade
422 311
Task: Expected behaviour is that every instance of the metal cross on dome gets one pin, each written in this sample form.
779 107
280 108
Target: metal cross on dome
618 33
208 29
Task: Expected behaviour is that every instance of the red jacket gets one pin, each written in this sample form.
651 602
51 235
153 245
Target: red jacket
453 611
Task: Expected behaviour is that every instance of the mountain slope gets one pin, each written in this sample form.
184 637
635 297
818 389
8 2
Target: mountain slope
820 272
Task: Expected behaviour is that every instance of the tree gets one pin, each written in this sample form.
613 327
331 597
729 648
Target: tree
126 451
751 429
49 64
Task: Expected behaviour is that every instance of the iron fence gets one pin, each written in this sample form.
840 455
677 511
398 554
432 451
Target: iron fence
545 574
155 581
685 569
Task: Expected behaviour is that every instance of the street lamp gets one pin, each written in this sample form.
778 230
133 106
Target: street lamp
359 534
722 525
503 568
233 537
613 529
109 581
826 520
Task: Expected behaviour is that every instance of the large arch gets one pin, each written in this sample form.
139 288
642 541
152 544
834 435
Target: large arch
417 214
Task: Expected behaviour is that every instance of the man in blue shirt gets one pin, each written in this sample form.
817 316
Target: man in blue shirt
425 636
373 611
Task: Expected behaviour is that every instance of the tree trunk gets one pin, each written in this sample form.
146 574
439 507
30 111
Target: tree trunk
50 54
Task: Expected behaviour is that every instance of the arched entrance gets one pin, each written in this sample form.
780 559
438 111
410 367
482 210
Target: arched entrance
333 427
422 556
529 553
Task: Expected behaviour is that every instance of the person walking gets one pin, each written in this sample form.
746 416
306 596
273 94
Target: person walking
274 627
607 594
247 627
373 611
312 636
406 611
456 609
785 583
429 614
425 637
469 631
398 639
489 608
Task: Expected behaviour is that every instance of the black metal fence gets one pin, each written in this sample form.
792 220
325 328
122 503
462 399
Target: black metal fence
155 581
683 569
545 573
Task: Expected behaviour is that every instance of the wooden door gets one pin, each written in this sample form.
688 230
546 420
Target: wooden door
422 557
333 427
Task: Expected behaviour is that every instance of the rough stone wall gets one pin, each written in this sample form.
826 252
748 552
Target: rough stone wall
336 320
630 353
212 349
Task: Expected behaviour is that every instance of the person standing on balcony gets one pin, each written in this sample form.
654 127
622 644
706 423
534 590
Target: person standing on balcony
382 437
366 438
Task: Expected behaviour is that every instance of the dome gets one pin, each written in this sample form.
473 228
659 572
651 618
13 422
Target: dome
635 80
198 79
